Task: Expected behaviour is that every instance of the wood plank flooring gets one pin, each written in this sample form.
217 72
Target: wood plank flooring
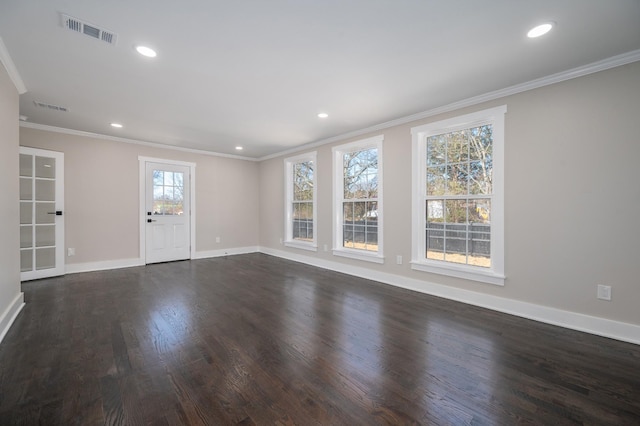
257 340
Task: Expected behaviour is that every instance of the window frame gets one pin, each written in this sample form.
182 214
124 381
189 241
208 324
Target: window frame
338 197
288 240
494 274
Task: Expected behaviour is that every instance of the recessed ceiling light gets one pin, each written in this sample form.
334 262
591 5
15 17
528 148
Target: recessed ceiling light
116 125
146 51
239 148
323 115
540 30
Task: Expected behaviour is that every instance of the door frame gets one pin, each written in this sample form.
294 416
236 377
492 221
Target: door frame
142 216
60 267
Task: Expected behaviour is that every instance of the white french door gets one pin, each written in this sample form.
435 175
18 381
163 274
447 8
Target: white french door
167 211
41 209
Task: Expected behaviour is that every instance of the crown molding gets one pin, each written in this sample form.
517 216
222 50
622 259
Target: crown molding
6 60
605 64
615 61
73 132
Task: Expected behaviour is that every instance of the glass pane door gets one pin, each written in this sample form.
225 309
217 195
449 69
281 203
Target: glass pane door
167 218
41 232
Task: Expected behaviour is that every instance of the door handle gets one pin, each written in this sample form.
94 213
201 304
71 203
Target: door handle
57 212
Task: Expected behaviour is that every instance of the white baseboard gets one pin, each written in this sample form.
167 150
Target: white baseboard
226 252
102 265
594 325
10 314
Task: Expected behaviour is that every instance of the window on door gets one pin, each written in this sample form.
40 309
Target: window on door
168 193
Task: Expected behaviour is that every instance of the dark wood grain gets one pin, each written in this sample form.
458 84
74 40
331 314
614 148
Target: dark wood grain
257 340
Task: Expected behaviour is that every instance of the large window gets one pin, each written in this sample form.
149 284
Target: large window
358 200
458 207
300 202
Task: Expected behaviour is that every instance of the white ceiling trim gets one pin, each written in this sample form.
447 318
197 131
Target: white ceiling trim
615 61
605 64
5 58
130 141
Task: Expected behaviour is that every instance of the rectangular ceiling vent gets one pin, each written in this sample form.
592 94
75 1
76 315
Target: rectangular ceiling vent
93 31
50 106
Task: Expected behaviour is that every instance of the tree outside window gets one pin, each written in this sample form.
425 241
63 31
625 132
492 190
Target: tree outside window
458 196
300 202
459 186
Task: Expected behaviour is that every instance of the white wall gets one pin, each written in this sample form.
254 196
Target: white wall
571 204
102 201
571 201
11 298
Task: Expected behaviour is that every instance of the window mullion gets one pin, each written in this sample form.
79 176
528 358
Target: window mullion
458 197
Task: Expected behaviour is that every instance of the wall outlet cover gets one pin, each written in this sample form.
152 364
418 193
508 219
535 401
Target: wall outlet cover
604 292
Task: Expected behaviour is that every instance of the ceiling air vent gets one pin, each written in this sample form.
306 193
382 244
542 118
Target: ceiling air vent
93 31
50 106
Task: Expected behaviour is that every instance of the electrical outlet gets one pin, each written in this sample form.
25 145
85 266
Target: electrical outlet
399 260
218 239
326 247
604 292
71 251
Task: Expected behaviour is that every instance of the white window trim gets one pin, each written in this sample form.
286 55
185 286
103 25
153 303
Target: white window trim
288 199
495 274
338 190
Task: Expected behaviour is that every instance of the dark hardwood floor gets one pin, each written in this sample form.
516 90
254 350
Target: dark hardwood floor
254 339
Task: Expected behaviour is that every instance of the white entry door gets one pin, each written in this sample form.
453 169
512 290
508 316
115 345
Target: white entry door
41 209
167 216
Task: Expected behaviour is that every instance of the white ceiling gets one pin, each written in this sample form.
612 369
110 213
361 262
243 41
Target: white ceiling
257 72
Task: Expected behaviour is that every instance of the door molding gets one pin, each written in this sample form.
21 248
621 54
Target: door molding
142 206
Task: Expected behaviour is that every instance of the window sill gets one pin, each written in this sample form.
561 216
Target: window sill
459 271
357 254
301 245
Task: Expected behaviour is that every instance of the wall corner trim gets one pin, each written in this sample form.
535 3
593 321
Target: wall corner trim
589 324
10 315
14 75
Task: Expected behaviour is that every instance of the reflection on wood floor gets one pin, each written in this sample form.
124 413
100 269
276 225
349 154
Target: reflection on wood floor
254 339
